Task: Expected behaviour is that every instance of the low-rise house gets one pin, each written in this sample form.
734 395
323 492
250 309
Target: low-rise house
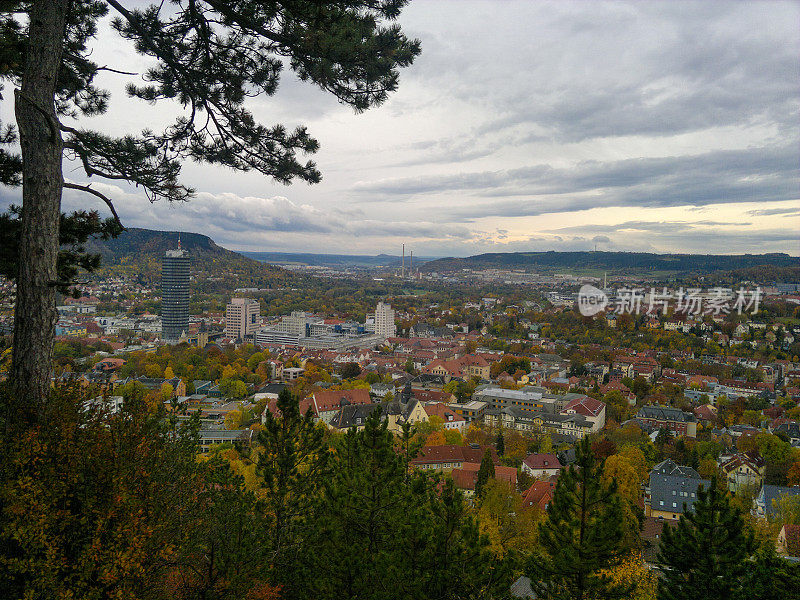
466 476
327 402
765 504
395 413
707 413
666 417
541 465
381 390
450 418
539 494
670 488
652 530
744 469
467 366
352 416
210 437
449 457
791 429
591 409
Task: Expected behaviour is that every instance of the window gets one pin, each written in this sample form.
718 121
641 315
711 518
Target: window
674 505
662 503
674 492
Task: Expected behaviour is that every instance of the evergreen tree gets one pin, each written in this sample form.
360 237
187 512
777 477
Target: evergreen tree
769 576
581 535
222 553
500 443
383 534
294 464
485 473
409 446
359 515
707 552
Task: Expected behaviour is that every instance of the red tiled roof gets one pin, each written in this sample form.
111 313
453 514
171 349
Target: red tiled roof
452 453
542 461
431 396
586 406
501 472
467 475
305 404
539 494
464 480
332 399
441 410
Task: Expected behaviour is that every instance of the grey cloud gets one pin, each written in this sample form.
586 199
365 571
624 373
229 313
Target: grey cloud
765 212
761 174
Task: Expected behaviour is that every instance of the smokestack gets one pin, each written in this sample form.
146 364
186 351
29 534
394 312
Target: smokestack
403 263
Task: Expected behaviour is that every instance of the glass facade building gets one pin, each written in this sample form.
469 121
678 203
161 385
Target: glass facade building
175 295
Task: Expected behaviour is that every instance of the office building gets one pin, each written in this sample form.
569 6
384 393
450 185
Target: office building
241 318
384 321
175 295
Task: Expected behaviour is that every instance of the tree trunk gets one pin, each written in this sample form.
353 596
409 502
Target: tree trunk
40 140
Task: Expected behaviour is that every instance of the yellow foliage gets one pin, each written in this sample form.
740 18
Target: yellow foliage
233 419
633 571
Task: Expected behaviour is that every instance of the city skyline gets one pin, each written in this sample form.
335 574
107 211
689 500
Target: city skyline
522 127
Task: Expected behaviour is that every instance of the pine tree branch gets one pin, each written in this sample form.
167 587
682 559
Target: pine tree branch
104 198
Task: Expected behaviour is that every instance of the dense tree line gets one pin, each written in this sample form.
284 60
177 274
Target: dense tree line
98 504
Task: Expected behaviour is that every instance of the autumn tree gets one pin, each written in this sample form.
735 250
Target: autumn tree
209 58
502 518
94 505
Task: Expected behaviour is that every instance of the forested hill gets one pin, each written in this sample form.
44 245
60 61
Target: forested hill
137 242
612 261
139 252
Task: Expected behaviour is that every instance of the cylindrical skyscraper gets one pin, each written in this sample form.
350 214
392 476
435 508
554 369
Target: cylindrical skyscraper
175 295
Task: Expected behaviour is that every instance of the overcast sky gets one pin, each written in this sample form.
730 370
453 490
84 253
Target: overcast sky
655 126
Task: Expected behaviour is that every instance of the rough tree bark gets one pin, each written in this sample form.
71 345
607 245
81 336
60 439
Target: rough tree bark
41 144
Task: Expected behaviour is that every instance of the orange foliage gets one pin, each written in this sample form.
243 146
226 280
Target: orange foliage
436 439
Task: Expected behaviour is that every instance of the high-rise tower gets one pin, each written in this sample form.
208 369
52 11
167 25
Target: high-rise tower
384 320
175 294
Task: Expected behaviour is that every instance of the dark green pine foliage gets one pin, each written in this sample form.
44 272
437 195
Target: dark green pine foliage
707 553
74 231
581 535
485 473
293 464
770 576
221 551
383 534
500 443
